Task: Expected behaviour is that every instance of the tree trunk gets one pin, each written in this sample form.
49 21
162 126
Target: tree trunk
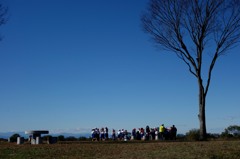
201 116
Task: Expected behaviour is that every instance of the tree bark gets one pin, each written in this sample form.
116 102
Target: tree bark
202 116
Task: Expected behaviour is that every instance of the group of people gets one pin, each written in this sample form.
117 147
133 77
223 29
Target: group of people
102 134
99 134
157 133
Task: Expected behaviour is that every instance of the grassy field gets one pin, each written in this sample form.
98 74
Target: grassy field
141 150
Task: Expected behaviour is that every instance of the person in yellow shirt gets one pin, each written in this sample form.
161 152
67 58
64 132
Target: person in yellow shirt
161 131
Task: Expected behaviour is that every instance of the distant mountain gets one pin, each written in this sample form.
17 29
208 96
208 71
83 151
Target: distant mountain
76 135
6 135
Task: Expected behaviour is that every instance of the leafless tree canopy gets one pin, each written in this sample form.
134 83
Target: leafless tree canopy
187 26
3 14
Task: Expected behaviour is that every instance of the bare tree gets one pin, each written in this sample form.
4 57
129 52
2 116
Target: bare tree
196 31
3 14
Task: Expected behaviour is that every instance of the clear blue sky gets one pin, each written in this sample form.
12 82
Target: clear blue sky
69 66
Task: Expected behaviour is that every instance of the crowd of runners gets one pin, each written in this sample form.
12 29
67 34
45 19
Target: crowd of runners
157 133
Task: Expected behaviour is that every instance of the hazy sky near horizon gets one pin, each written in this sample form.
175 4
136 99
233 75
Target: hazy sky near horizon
72 65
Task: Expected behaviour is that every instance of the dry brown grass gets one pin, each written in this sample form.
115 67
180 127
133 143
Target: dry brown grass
141 150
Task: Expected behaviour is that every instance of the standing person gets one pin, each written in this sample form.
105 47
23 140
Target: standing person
147 132
156 133
94 137
102 134
142 134
173 132
106 133
138 135
119 134
162 131
125 135
134 134
167 135
152 134
97 134
113 134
